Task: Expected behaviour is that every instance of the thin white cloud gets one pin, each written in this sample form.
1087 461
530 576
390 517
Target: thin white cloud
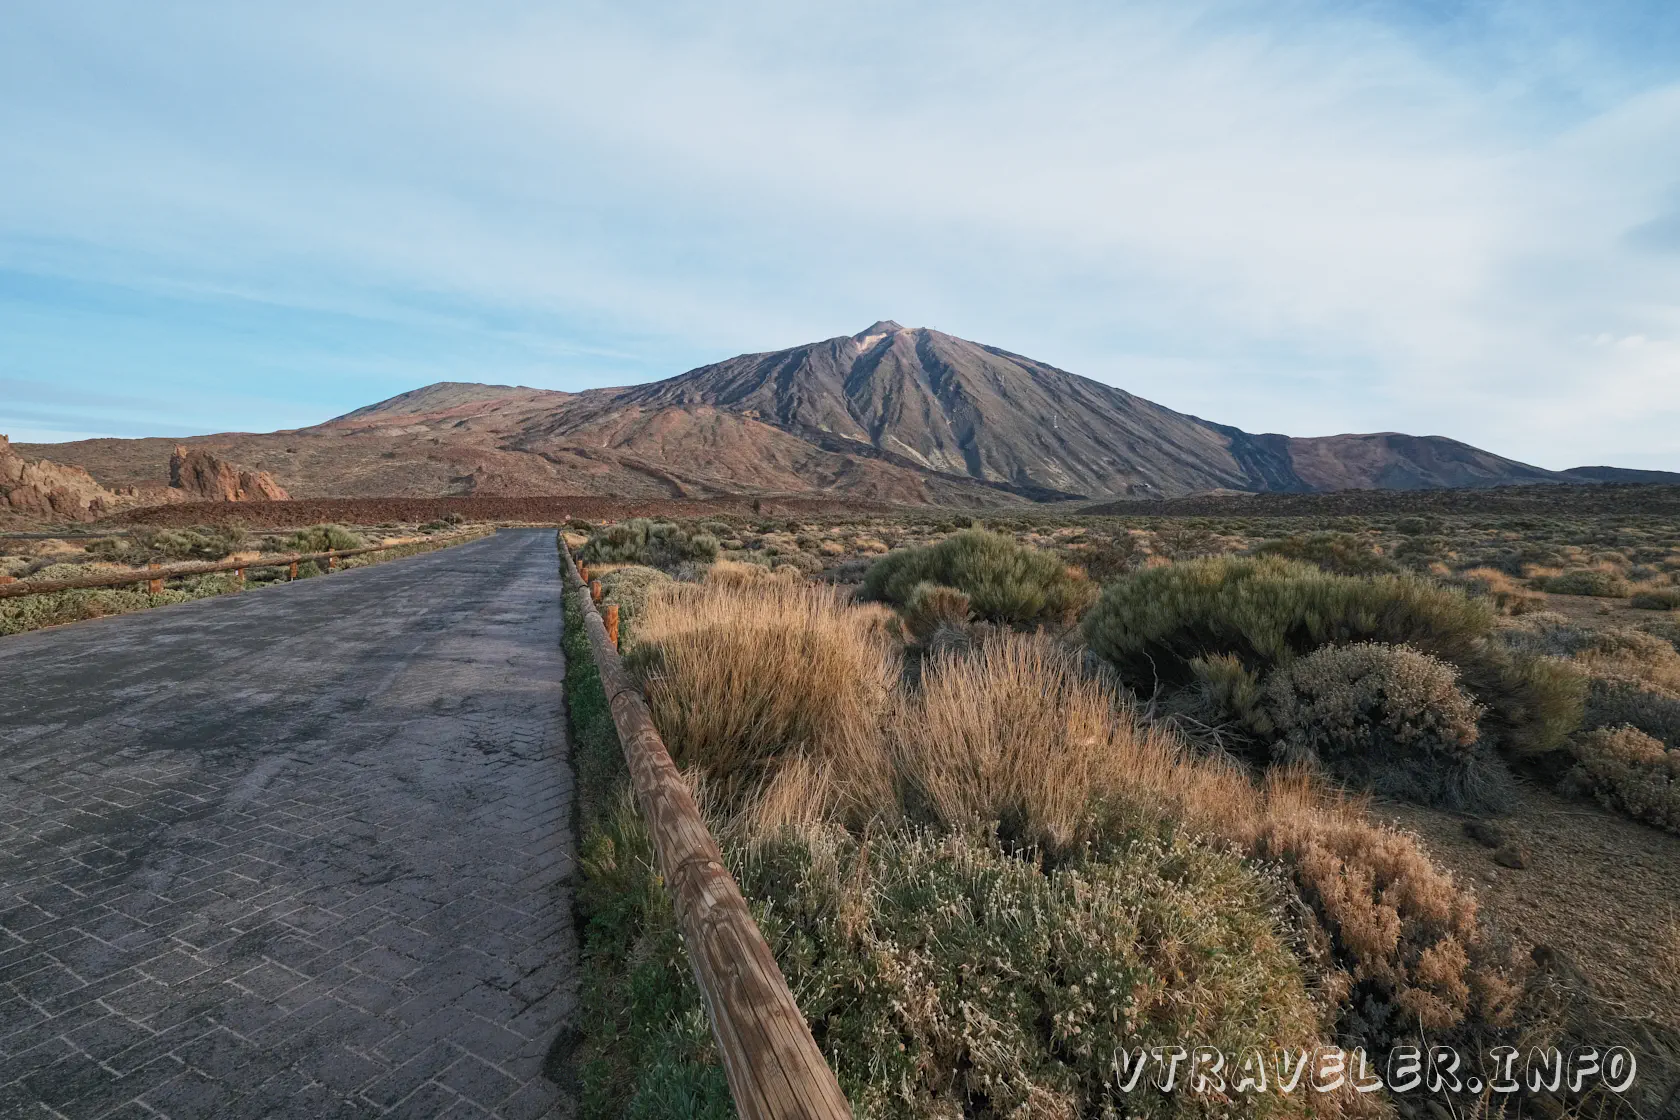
1285 218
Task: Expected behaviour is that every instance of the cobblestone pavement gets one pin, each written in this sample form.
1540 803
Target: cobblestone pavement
303 851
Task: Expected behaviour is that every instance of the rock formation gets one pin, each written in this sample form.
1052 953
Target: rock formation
48 491
199 476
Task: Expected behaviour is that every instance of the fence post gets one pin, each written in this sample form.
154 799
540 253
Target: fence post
612 624
153 586
595 590
774 1068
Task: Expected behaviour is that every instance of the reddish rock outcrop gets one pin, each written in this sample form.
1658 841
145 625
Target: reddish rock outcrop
198 475
48 491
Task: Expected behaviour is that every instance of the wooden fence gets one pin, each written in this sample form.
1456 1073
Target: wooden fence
154 576
774 1068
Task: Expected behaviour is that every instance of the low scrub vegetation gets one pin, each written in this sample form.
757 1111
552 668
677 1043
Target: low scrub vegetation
1209 634
1632 772
1600 582
1388 718
981 883
1345 554
324 538
117 555
654 544
1006 582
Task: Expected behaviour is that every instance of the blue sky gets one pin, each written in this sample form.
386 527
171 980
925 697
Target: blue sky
1444 218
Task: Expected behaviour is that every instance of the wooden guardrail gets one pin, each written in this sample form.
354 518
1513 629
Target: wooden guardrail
774 1068
155 575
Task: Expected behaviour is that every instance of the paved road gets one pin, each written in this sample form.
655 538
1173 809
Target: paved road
303 851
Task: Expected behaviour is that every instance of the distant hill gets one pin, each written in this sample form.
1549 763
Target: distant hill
1622 475
891 414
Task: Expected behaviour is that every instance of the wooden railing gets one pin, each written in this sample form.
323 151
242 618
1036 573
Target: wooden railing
774 1068
154 576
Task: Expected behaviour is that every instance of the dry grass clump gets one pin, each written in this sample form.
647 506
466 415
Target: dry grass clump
741 673
1507 595
1386 717
738 575
1632 772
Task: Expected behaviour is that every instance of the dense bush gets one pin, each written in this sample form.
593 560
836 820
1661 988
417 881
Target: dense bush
1632 772
1345 554
1622 699
1403 933
655 544
931 606
946 976
1420 553
1265 611
1587 581
1159 627
630 587
1006 582
1387 717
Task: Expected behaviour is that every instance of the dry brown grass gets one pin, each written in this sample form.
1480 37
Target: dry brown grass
1509 597
750 669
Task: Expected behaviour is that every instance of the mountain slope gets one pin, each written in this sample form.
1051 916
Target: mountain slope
890 413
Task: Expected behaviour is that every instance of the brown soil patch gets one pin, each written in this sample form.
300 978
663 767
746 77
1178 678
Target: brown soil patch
1602 890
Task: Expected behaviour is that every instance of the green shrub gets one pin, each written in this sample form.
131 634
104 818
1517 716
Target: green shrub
1631 772
324 538
1345 554
654 544
946 976
629 587
1587 581
1661 599
931 606
1268 610
1006 582
1379 716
